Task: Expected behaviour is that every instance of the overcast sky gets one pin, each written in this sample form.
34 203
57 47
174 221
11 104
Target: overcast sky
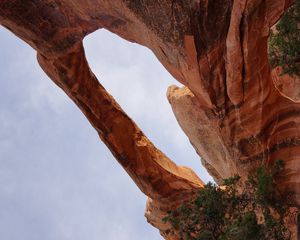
58 181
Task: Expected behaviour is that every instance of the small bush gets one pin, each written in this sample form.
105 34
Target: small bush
239 211
284 41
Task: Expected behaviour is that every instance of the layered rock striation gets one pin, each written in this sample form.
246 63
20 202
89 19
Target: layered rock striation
235 111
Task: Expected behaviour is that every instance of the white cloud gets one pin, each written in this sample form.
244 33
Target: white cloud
57 180
136 79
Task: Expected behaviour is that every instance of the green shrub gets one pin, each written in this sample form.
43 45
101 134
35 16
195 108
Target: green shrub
237 211
284 41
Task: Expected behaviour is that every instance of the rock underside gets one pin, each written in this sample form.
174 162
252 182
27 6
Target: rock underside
237 113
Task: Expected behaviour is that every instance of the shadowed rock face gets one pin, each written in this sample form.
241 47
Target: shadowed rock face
236 114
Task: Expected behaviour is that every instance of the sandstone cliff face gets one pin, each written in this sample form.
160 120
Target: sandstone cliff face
235 112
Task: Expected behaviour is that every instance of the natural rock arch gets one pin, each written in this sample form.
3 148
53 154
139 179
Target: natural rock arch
230 109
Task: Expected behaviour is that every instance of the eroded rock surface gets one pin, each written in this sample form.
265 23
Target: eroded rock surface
230 108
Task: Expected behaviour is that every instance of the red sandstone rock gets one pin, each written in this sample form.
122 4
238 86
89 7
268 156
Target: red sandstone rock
234 115
288 86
